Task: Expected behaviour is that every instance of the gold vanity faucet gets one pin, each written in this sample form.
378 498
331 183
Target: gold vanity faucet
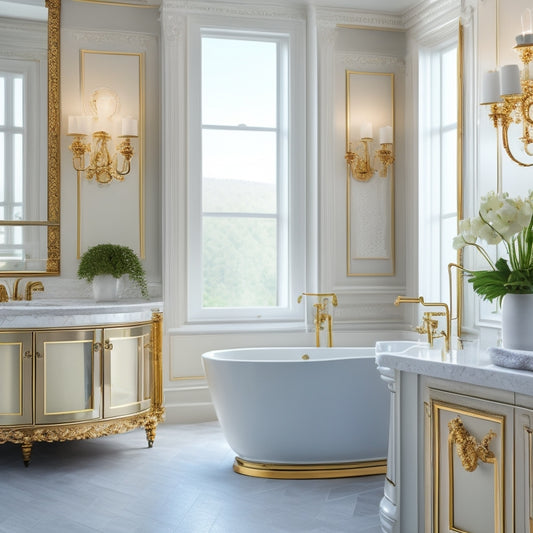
4 296
33 286
15 296
429 323
321 314
16 293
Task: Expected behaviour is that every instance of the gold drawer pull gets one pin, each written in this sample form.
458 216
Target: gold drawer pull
468 449
97 346
28 354
108 345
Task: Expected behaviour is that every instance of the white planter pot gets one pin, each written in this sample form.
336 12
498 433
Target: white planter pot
517 322
105 288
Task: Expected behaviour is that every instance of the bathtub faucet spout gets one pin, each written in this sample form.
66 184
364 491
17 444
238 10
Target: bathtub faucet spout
321 315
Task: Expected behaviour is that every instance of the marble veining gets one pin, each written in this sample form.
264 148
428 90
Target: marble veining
464 367
64 312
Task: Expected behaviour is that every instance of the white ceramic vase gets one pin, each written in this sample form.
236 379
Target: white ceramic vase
517 322
105 288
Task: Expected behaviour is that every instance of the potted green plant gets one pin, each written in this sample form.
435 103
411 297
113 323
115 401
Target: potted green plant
111 261
508 221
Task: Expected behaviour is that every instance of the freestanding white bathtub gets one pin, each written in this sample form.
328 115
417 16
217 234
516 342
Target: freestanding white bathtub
301 412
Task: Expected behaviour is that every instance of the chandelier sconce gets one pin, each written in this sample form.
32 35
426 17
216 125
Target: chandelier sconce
103 165
362 165
510 94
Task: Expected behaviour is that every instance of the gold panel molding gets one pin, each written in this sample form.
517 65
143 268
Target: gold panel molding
370 226
468 451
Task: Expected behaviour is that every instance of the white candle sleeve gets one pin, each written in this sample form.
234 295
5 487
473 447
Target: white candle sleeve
366 130
129 127
510 79
385 135
491 88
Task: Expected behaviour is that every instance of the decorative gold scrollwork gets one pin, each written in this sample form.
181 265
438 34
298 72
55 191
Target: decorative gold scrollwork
97 346
108 345
28 354
468 449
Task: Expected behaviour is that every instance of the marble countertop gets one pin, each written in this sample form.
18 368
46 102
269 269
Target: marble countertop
65 312
469 366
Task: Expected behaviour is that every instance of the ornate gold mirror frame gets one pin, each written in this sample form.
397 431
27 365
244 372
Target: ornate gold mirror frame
52 223
54 18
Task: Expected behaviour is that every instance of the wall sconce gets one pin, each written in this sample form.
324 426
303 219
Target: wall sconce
103 166
359 161
510 93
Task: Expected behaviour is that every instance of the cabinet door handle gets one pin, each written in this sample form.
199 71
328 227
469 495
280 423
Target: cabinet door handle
97 346
108 345
468 449
38 355
28 354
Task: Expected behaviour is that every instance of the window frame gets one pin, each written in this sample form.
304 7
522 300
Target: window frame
432 215
291 171
29 71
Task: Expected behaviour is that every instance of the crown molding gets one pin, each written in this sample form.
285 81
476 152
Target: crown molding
137 40
23 38
153 4
428 16
357 59
355 19
233 9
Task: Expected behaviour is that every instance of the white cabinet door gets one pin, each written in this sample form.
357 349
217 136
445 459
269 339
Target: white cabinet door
16 375
67 376
524 469
471 464
127 370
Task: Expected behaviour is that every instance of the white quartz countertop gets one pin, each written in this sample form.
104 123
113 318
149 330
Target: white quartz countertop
64 312
466 367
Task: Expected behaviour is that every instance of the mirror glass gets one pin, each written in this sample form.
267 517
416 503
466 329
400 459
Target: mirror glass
29 137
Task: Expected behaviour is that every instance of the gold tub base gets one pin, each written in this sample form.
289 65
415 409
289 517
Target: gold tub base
309 471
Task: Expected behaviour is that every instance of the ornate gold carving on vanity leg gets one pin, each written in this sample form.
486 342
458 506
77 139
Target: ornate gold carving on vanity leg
468 449
157 410
26 451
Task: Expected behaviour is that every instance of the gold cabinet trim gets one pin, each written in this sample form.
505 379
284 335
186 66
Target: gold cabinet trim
21 372
499 469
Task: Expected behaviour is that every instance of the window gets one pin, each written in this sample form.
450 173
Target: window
13 82
438 164
246 190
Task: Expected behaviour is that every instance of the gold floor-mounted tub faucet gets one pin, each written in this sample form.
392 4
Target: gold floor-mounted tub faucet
321 314
430 324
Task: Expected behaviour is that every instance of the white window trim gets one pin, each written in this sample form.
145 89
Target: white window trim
431 215
289 312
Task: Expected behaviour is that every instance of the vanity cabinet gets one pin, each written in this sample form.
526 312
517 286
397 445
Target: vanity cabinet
81 382
460 443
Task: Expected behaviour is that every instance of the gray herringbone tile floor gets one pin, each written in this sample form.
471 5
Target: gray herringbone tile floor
184 484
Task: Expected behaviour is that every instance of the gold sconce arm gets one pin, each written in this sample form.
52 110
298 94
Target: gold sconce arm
515 105
360 164
104 164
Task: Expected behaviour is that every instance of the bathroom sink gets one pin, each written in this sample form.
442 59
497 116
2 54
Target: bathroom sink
410 348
